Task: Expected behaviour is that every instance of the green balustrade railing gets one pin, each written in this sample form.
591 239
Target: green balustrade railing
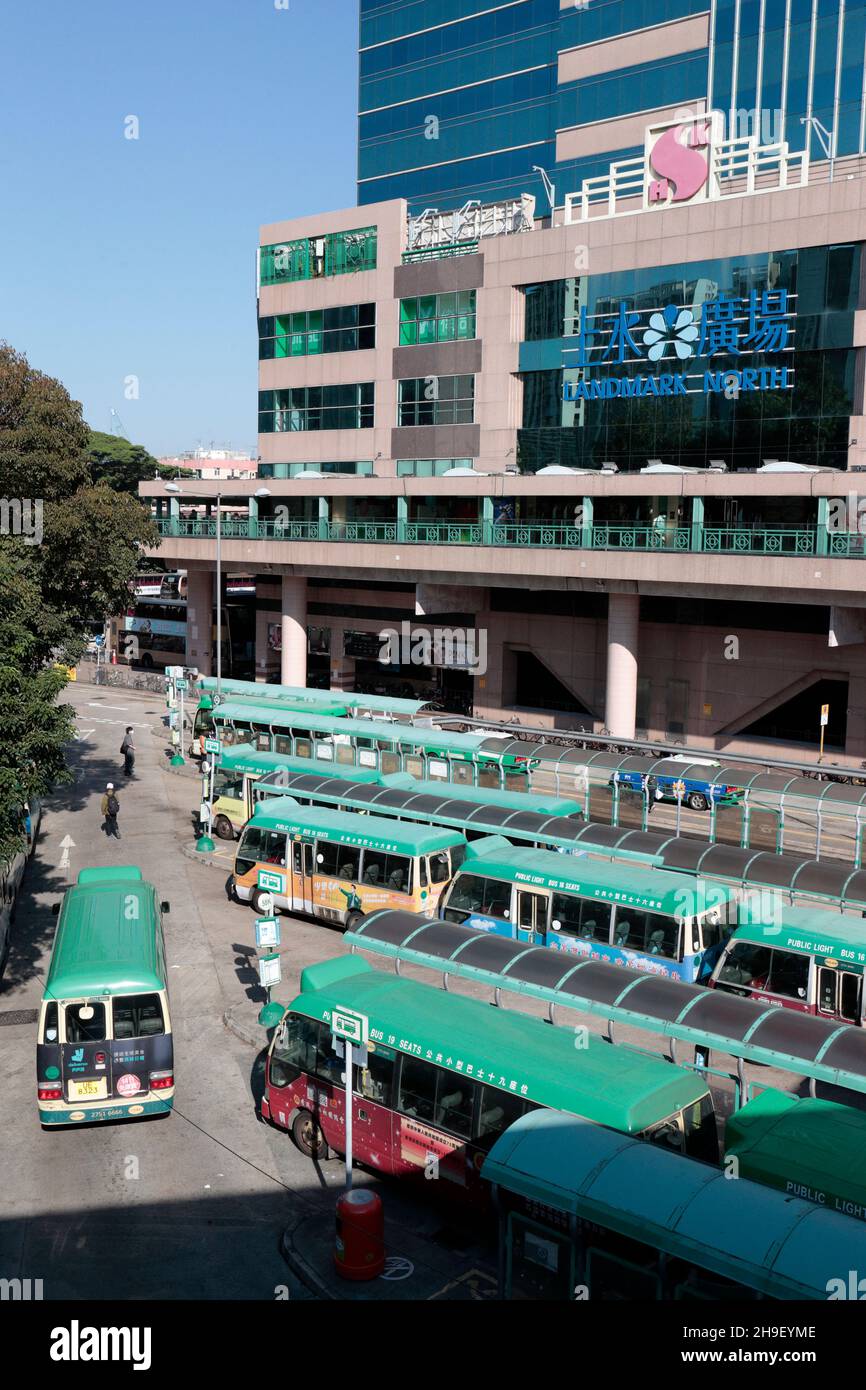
537 535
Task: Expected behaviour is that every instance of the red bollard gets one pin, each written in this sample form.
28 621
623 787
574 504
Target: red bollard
359 1252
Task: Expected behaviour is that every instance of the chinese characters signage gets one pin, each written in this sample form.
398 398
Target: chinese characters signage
718 334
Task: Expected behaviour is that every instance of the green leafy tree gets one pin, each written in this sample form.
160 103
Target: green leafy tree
122 465
55 576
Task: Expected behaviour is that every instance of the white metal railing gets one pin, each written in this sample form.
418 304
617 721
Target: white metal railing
737 167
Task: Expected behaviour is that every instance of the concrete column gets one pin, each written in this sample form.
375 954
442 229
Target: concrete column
822 540
267 660
586 523
199 621
622 639
697 536
294 617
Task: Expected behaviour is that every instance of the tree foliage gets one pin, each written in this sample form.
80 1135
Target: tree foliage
122 465
73 569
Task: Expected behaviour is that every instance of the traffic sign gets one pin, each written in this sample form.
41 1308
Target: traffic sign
354 1027
270 971
270 883
182 685
212 745
825 715
267 931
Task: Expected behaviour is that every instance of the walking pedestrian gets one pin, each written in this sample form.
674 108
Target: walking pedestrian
127 748
110 810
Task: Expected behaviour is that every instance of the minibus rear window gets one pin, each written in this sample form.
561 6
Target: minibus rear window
138 1016
85 1023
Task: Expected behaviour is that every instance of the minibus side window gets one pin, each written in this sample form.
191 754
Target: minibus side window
757 967
439 868
391 871
475 893
458 854
585 918
283 743
497 1110
337 861
646 931
50 1035
138 1016
81 1030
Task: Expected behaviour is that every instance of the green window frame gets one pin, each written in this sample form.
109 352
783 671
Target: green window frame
437 318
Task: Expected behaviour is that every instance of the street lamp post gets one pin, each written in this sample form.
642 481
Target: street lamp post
259 493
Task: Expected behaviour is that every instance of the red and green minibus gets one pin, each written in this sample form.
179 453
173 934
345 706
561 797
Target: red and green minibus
445 1075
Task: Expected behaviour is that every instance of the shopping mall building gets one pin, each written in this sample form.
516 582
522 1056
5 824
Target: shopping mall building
616 447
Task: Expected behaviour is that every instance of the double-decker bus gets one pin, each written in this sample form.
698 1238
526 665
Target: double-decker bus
810 961
385 746
653 921
338 867
445 1076
244 777
104 1043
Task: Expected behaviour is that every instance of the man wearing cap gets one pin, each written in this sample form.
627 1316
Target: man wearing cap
110 810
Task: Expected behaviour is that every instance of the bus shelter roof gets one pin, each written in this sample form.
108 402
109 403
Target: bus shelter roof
798 1043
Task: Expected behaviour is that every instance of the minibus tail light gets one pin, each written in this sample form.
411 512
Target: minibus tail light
49 1092
161 1080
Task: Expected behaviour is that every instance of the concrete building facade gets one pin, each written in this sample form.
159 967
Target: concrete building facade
627 448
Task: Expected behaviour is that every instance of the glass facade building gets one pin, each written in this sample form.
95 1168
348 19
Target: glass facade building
459 99
785 312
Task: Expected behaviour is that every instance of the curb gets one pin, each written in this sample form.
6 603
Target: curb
243 1031
205 857
299 1266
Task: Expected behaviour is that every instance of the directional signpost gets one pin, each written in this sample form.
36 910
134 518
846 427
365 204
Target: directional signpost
178 760
349 1030
825 720
205 844
267 932
270 972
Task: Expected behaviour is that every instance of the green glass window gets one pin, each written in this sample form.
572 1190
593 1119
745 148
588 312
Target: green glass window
343 329
437 318
340 253
344 407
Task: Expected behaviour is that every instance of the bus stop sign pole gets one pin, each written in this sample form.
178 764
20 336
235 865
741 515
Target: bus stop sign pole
351 1029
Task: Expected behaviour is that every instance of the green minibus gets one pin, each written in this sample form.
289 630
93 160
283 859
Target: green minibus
104 1044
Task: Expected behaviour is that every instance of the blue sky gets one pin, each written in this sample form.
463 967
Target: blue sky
123 257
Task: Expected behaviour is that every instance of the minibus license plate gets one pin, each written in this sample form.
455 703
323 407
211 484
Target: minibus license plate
88 1090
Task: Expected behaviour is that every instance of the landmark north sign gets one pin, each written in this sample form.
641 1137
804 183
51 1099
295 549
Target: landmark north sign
721 332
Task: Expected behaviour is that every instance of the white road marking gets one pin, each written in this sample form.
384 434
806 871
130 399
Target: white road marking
66 844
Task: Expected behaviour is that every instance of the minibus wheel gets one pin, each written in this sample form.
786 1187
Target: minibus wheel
308 1136
697 801
354 920
224 828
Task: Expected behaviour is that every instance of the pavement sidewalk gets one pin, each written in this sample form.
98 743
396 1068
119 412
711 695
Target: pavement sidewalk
416 1268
